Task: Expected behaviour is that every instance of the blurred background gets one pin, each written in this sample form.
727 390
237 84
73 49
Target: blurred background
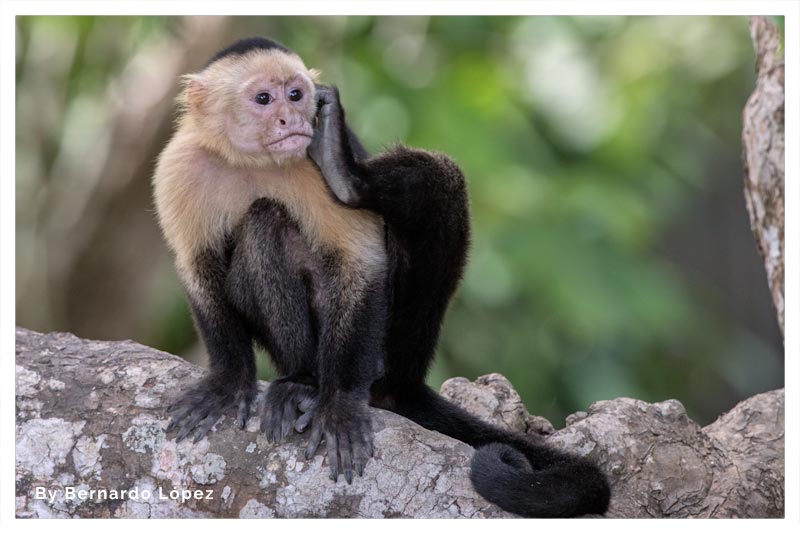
612 253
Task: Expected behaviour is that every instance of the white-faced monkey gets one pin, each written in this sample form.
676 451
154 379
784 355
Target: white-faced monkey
341 264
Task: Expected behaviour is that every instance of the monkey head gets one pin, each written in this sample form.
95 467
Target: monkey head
255 108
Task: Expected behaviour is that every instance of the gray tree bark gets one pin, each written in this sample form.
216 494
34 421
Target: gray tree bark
763 154
91 416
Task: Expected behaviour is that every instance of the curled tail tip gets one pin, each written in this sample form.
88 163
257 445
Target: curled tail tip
504 476
492 458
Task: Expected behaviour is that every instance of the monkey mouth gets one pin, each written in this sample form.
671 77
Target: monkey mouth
292 141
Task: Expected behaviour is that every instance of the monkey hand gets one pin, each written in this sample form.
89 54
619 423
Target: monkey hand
328 103
202 406
278 408
326 144
329 147
345 424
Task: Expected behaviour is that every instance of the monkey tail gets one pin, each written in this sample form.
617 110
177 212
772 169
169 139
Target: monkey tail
517 473
503 475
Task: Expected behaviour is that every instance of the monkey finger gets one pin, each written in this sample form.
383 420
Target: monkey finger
325 96
190 424
175 406
360 453
366 437
274 429
204 427
183 432
346 456
187 401
173 422
264 422
289 413
244 414
182 412
313 441
264 413
243 400
307 404
303 421
270 431
365 452
333 457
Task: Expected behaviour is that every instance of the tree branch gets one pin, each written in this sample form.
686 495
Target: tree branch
91 416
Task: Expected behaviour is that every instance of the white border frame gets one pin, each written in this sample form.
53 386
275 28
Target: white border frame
789 9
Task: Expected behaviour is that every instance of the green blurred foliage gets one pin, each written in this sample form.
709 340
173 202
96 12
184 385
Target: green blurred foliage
584 140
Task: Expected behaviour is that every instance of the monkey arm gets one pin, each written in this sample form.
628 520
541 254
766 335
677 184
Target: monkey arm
412 189
335 148
359 152
231 381
354 145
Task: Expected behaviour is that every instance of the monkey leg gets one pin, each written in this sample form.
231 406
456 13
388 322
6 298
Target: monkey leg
270 285
422 197
231 381
350 359
423 200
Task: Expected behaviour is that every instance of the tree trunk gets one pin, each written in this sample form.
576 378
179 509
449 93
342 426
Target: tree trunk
763 142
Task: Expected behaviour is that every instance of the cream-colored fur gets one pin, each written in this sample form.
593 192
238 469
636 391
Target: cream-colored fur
211 101
202 193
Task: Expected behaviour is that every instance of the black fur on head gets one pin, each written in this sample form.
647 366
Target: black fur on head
244 46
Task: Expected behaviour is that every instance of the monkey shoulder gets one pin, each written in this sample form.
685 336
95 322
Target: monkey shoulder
199 200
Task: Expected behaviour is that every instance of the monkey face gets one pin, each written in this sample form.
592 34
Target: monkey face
273 114
259 107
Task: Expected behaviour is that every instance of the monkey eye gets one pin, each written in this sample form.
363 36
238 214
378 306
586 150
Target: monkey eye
295 95
263 98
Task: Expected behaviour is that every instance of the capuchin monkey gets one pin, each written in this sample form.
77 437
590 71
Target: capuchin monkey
289 235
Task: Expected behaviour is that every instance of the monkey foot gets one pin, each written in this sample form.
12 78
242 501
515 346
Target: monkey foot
279 406
347 428
202 406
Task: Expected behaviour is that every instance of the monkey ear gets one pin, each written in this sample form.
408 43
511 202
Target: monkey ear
195 92
315 75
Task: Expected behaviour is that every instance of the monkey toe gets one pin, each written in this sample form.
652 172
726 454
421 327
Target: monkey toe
243 414
313 441
303 421
279 407
347 432
204 427
332 444
194 422
199 409
362 448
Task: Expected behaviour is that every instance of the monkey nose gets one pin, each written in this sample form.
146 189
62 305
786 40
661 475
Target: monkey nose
282 121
